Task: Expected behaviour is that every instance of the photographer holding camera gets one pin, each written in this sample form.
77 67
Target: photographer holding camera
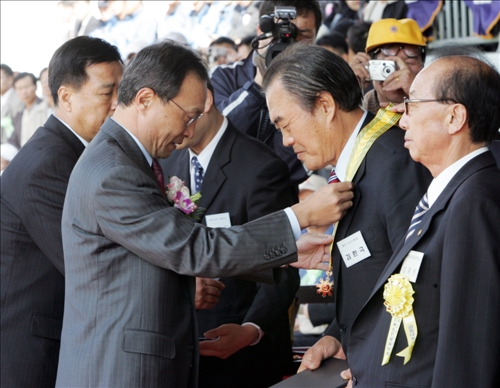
238 86
395 54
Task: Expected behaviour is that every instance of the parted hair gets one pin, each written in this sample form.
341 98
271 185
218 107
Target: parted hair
161 67
307 70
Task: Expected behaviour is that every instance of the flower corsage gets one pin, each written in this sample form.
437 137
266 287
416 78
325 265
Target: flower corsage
178 196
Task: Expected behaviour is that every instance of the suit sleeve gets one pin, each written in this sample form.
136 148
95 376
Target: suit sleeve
241 104
271 192
131 212
43 205
468 350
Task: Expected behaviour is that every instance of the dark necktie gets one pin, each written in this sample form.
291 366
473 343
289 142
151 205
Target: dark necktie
333 177
198 174
420 211
155 166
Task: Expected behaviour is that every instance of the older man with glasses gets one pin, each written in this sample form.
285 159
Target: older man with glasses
394 40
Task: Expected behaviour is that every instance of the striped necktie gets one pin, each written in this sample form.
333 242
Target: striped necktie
333 178
420 211
198 177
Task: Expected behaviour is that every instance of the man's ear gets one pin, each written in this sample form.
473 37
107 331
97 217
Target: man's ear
209 102
64 96
144 98
325 104
457 118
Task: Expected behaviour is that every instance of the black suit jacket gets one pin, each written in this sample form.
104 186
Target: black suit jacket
32 265
247 180
457 293
388 186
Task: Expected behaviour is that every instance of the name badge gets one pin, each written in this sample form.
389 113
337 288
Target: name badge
411 265
353 249
221 220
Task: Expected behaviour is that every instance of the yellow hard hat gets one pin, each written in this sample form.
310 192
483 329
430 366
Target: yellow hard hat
387 31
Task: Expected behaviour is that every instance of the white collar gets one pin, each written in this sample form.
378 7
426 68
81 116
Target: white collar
440 182
343 160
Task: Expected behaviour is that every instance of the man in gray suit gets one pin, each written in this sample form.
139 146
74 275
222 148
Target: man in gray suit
131 260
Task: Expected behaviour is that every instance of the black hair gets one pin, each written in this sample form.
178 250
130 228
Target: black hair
307 70
224 40
335 40
161 67
302 7
357 36
24 75
473 82
69 63
7 70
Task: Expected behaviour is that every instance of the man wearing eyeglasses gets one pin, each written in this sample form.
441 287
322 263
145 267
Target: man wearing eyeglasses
130 259
395 40
432 318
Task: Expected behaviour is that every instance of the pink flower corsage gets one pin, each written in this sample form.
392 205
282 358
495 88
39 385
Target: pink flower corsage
178 196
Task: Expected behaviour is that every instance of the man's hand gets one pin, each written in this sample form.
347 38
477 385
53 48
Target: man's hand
313 251
402 78
358 66
326 347
232 337
207 293
325 206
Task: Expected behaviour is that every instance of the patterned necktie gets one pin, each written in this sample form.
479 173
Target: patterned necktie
155 166
333 177
198 171
420 211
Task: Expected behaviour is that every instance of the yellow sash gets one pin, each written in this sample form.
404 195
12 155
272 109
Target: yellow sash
384 120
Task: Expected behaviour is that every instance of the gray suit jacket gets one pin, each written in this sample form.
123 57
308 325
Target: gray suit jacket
457 293
130 260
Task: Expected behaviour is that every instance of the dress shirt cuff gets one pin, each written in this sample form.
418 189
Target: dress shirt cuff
261 333
294 223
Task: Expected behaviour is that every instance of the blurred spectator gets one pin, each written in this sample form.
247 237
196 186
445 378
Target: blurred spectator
7 152
335 42
134 24
222 51
48 100
374 10
11 103
245 47
27 121
84 21
245 20
344 10
218 21
356 38
65 9
395 40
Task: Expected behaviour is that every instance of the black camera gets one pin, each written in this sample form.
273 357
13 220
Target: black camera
283 31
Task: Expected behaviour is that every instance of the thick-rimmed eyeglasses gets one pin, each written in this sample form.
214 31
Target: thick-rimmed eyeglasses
407 102
191 118
391 50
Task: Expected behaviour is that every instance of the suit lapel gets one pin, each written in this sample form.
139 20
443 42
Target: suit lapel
54 125
129 146
215 176
479 162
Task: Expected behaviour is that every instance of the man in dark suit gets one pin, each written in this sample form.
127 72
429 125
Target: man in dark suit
242 181
314 99
130 260
84 76
449 260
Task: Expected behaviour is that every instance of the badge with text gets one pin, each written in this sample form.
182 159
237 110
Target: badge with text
411 265
221 220
353 249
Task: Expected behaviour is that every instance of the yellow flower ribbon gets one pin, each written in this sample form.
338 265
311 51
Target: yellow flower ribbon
398 300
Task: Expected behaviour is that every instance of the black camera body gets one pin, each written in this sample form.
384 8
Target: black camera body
283 31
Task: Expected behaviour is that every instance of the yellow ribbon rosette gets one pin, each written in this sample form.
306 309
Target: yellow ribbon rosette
398 300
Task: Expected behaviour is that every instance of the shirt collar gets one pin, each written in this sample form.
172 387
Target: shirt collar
85 142
205 155
439 183
341 167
